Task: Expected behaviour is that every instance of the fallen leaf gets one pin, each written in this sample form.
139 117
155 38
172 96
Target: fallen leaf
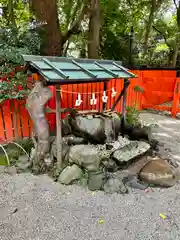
101 221
162 216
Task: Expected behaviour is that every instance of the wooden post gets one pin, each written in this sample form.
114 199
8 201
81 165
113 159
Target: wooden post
176 95
58 128
105 89
123 120
124 101
126 84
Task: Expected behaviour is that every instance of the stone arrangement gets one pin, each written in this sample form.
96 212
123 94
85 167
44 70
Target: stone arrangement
97 149
96 154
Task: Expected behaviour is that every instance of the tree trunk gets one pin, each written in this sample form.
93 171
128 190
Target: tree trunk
51 36
149 24
174 51
173 57
35 105
94 29
11 17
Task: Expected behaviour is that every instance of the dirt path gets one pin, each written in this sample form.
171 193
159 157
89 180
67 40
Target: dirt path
167 132
36 208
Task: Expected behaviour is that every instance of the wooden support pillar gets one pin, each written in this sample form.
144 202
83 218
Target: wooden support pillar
124 100
105 89
176 96
58 128
126 84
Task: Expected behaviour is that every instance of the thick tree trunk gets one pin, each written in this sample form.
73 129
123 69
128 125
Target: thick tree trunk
94 29
35 103
52 40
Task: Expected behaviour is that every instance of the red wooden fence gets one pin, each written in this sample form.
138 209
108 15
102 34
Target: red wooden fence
161 92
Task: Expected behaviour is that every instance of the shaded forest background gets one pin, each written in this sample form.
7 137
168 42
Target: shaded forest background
139 32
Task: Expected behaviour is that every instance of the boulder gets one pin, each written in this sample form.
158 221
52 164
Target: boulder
127 153
109 165
109 130
98 128
159 172
95 180
115 185
23 164
70 174
85 156
91 128
73 140
65 149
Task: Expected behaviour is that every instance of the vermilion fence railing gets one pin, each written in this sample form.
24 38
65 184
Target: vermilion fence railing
160 91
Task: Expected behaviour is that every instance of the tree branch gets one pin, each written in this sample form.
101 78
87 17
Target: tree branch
164 36
74 29
175 4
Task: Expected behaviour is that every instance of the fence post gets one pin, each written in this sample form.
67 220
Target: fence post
176 95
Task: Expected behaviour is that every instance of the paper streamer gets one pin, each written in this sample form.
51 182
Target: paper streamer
113 93
93 100
78 100
104 97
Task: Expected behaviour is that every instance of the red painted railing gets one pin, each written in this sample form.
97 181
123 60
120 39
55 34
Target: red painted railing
160 91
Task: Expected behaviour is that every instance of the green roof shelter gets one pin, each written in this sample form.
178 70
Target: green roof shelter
65 70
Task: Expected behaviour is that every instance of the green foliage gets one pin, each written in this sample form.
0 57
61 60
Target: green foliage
9 90
14 150
138 89
14 43
117 18
132 115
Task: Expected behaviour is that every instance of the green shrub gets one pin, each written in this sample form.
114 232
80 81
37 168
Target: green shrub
132 115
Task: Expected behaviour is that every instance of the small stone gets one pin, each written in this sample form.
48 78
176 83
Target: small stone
11 170
23 164
115 185
109 165
70 174
95 180
2 169
23 159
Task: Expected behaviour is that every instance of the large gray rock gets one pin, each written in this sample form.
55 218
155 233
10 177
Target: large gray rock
130 151
92 128
85 156
70 174
97 128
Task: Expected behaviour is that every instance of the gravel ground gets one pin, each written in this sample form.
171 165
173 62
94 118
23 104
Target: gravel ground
36 208
167 132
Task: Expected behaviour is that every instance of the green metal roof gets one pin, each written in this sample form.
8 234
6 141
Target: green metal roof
61 70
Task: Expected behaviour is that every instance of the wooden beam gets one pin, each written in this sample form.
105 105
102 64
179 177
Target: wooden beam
58 129
126 84
124 101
